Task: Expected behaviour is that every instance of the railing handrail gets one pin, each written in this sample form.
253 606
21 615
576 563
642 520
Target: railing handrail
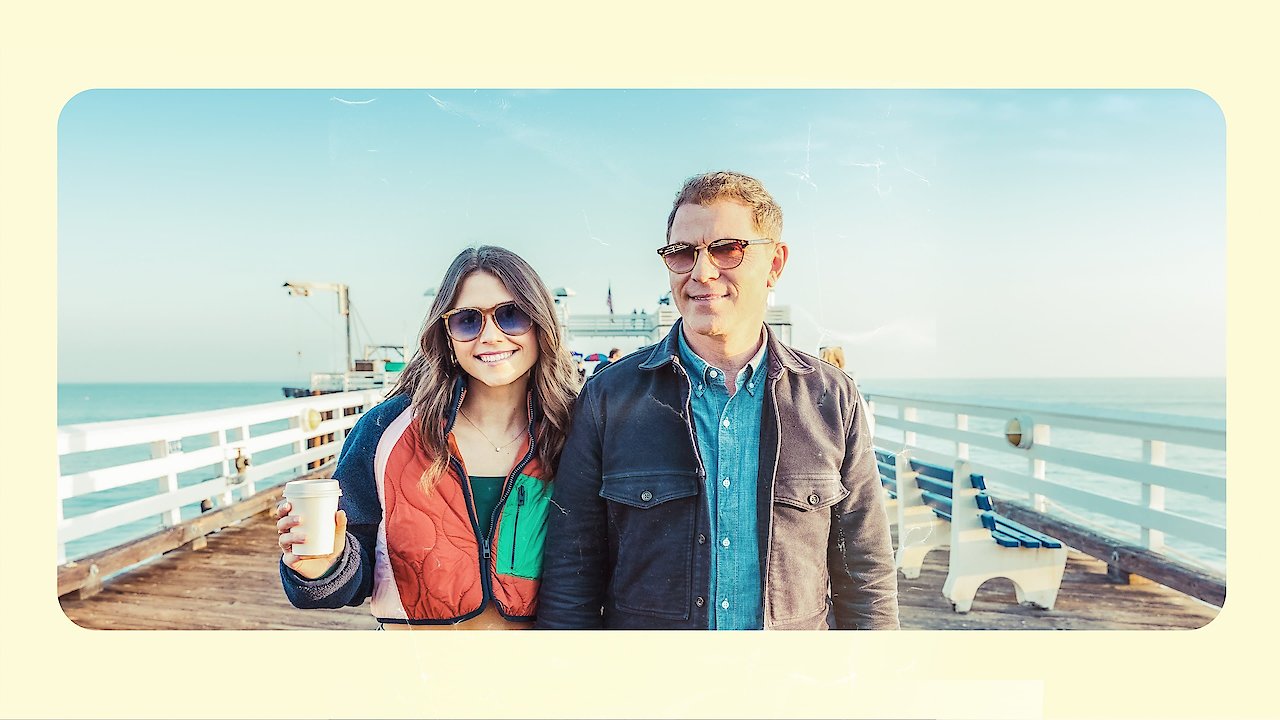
1210 428
1211 486
84 437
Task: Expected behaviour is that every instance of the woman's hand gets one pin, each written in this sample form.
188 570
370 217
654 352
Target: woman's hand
308 566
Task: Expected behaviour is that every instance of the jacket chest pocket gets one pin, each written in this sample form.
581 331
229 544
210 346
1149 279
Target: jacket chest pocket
810 491
798 574
653 515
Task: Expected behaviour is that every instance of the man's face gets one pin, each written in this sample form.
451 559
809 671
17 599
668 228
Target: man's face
720 303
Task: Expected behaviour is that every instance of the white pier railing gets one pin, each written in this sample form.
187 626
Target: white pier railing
353 380
127 478
1157 480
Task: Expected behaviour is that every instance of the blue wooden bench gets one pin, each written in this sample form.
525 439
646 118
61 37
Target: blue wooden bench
933 511
889 480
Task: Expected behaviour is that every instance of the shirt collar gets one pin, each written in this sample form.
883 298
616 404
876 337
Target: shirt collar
779 358
701 369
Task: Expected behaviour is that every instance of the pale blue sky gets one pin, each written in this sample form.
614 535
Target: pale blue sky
932 233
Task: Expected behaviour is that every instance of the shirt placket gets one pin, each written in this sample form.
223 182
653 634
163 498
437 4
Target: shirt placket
719 421
727 462
741 411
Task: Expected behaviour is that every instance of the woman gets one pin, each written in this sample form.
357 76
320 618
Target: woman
446 483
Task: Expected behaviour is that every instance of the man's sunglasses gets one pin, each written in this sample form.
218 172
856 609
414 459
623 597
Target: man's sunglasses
726 253
467 324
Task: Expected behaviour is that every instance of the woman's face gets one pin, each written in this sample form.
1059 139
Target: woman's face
494 358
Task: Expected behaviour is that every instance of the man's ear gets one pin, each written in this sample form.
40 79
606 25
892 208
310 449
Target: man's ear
780 252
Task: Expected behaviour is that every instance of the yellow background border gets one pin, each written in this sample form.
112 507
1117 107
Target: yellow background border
48 667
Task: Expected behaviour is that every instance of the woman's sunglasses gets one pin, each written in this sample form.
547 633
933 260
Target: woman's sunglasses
467 324
726 253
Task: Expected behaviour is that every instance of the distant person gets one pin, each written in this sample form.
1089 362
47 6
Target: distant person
614 354
833 355
446 484
721 479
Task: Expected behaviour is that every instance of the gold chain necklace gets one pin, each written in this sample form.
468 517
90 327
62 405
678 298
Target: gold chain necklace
496 448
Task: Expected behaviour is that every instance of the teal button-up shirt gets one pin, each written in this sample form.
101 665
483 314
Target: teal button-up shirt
728 436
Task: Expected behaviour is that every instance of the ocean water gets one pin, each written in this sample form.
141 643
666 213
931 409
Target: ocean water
98 402
1196 397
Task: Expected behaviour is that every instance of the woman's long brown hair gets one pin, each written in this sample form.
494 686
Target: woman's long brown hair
430 376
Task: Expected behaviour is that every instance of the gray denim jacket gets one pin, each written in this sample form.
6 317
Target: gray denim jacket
627 539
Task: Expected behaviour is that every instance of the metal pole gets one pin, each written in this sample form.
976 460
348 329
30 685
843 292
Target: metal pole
344 307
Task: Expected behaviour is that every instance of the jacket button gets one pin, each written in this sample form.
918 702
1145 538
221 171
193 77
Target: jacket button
646 496
813 498
699 601
702 539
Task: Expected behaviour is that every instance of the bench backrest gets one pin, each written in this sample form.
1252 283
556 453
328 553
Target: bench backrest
937 489
935 480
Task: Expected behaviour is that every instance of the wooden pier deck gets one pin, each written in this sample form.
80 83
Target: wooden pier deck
233 584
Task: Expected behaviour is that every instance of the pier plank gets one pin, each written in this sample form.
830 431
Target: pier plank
233 583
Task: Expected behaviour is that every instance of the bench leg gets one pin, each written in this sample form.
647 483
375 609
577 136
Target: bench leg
911 558
1036 574
961 591
916 538
1039 585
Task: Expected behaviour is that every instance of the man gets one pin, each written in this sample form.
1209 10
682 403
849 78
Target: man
613 355
719 479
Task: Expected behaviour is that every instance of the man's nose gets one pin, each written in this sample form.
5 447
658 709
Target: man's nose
703 268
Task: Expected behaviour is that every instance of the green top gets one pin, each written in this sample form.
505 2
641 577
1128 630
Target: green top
486 491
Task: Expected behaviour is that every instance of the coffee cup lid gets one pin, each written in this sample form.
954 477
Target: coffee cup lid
311 488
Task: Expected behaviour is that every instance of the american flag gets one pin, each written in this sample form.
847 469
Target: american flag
608 299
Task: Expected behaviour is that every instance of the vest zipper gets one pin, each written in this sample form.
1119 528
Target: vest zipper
515 472
515 525
497 510
463 479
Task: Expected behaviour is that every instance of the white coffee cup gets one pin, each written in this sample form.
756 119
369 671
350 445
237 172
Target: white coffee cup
316 502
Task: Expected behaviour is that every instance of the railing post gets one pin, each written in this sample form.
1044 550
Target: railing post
962 448
295 423
62 547
168 483
220 439
248 489
1153 452
1040 436
911 415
